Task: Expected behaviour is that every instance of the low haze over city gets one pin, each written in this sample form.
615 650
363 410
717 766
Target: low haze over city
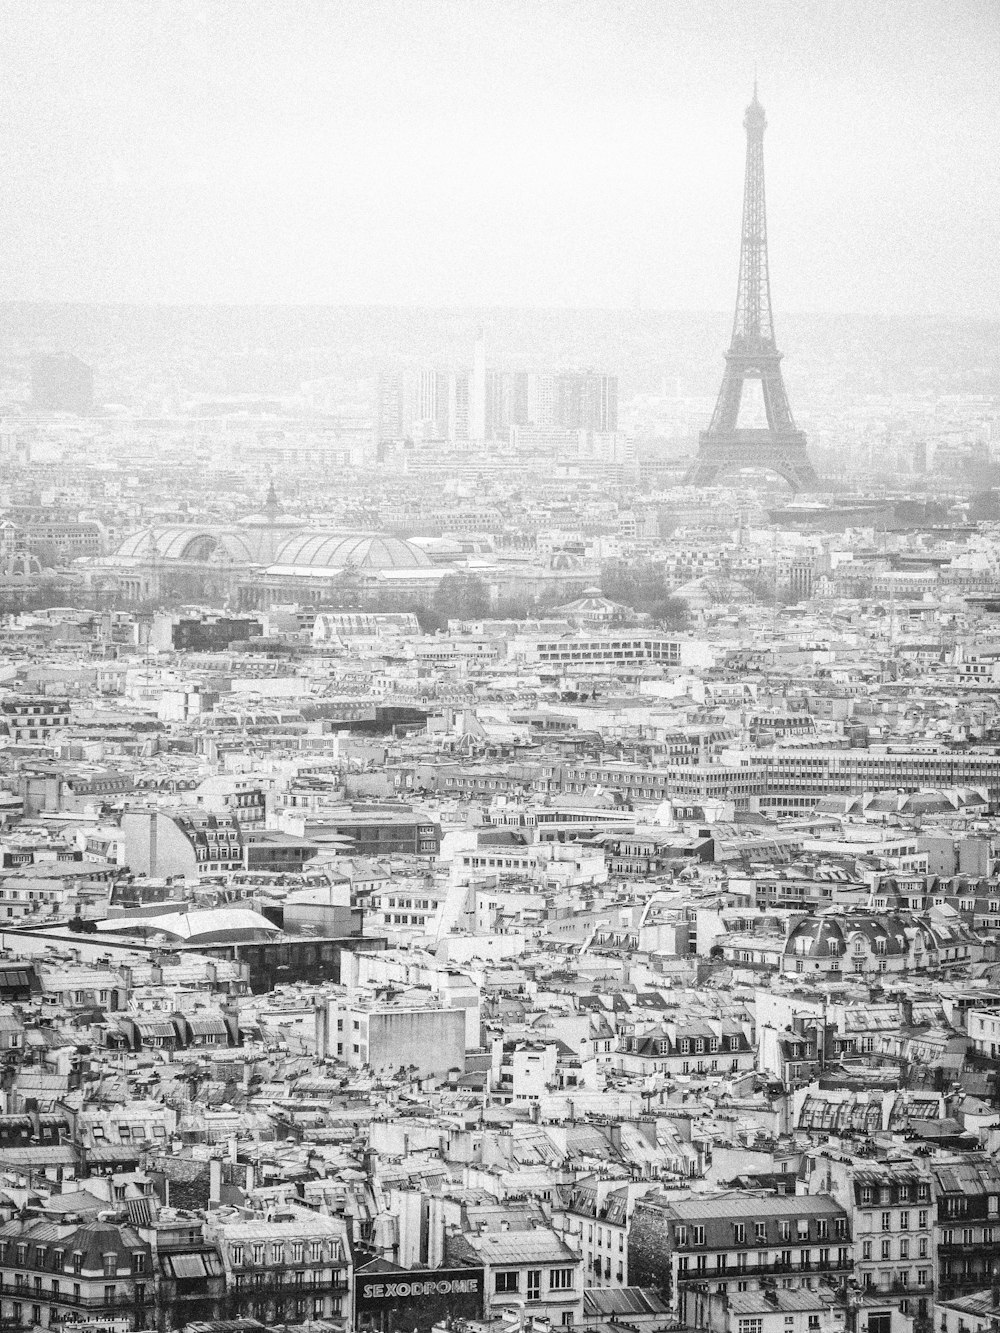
500 666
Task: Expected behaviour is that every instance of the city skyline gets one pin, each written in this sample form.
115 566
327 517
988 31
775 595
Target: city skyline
510 155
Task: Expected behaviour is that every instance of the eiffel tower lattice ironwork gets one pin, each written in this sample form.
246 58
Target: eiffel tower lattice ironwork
778 447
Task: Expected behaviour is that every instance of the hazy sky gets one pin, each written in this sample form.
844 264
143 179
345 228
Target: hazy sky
457 152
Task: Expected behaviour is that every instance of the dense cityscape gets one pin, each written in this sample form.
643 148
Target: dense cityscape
500 816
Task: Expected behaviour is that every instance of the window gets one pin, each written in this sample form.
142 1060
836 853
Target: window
785 1230
258 1255
560 1279
739 1233
887 1249
237 1255
111 1265
866 1249
506 1281
904 1220
534 1284
138 1262
879 1323
751 1326
887 1221
760 1230
109 1294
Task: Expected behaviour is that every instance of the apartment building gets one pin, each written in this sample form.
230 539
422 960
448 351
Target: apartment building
967 1192
533 1271
737 1241
52 1274
295 1266
892 1219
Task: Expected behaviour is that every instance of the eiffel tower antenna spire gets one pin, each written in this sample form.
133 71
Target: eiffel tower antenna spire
753 352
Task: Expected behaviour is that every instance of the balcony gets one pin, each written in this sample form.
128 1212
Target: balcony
123 1301
282 1284
762 1270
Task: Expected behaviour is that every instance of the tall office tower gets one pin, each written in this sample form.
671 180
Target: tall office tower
433 401
753 353
477 429
607 403
459 397
391 408
500 409
520 397
543 395
586 401
61 384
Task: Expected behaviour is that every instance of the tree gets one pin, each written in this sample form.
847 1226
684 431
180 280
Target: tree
637 584
671 613
429 620
461 597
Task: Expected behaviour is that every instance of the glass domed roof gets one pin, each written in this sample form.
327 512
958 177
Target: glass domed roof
332 550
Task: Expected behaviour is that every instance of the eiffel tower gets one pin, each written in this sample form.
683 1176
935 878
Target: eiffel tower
778 447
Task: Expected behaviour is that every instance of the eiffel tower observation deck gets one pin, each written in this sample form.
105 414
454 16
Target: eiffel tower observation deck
753 354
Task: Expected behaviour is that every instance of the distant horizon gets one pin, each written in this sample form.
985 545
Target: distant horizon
780 315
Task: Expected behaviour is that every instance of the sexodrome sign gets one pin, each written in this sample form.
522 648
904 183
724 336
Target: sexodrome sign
372 1292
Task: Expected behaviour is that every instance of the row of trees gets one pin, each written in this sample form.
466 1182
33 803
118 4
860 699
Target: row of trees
640 585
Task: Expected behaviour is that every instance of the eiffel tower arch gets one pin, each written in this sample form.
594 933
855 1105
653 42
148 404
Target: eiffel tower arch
753 354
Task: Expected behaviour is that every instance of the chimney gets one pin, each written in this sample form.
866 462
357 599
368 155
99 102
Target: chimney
215 1182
